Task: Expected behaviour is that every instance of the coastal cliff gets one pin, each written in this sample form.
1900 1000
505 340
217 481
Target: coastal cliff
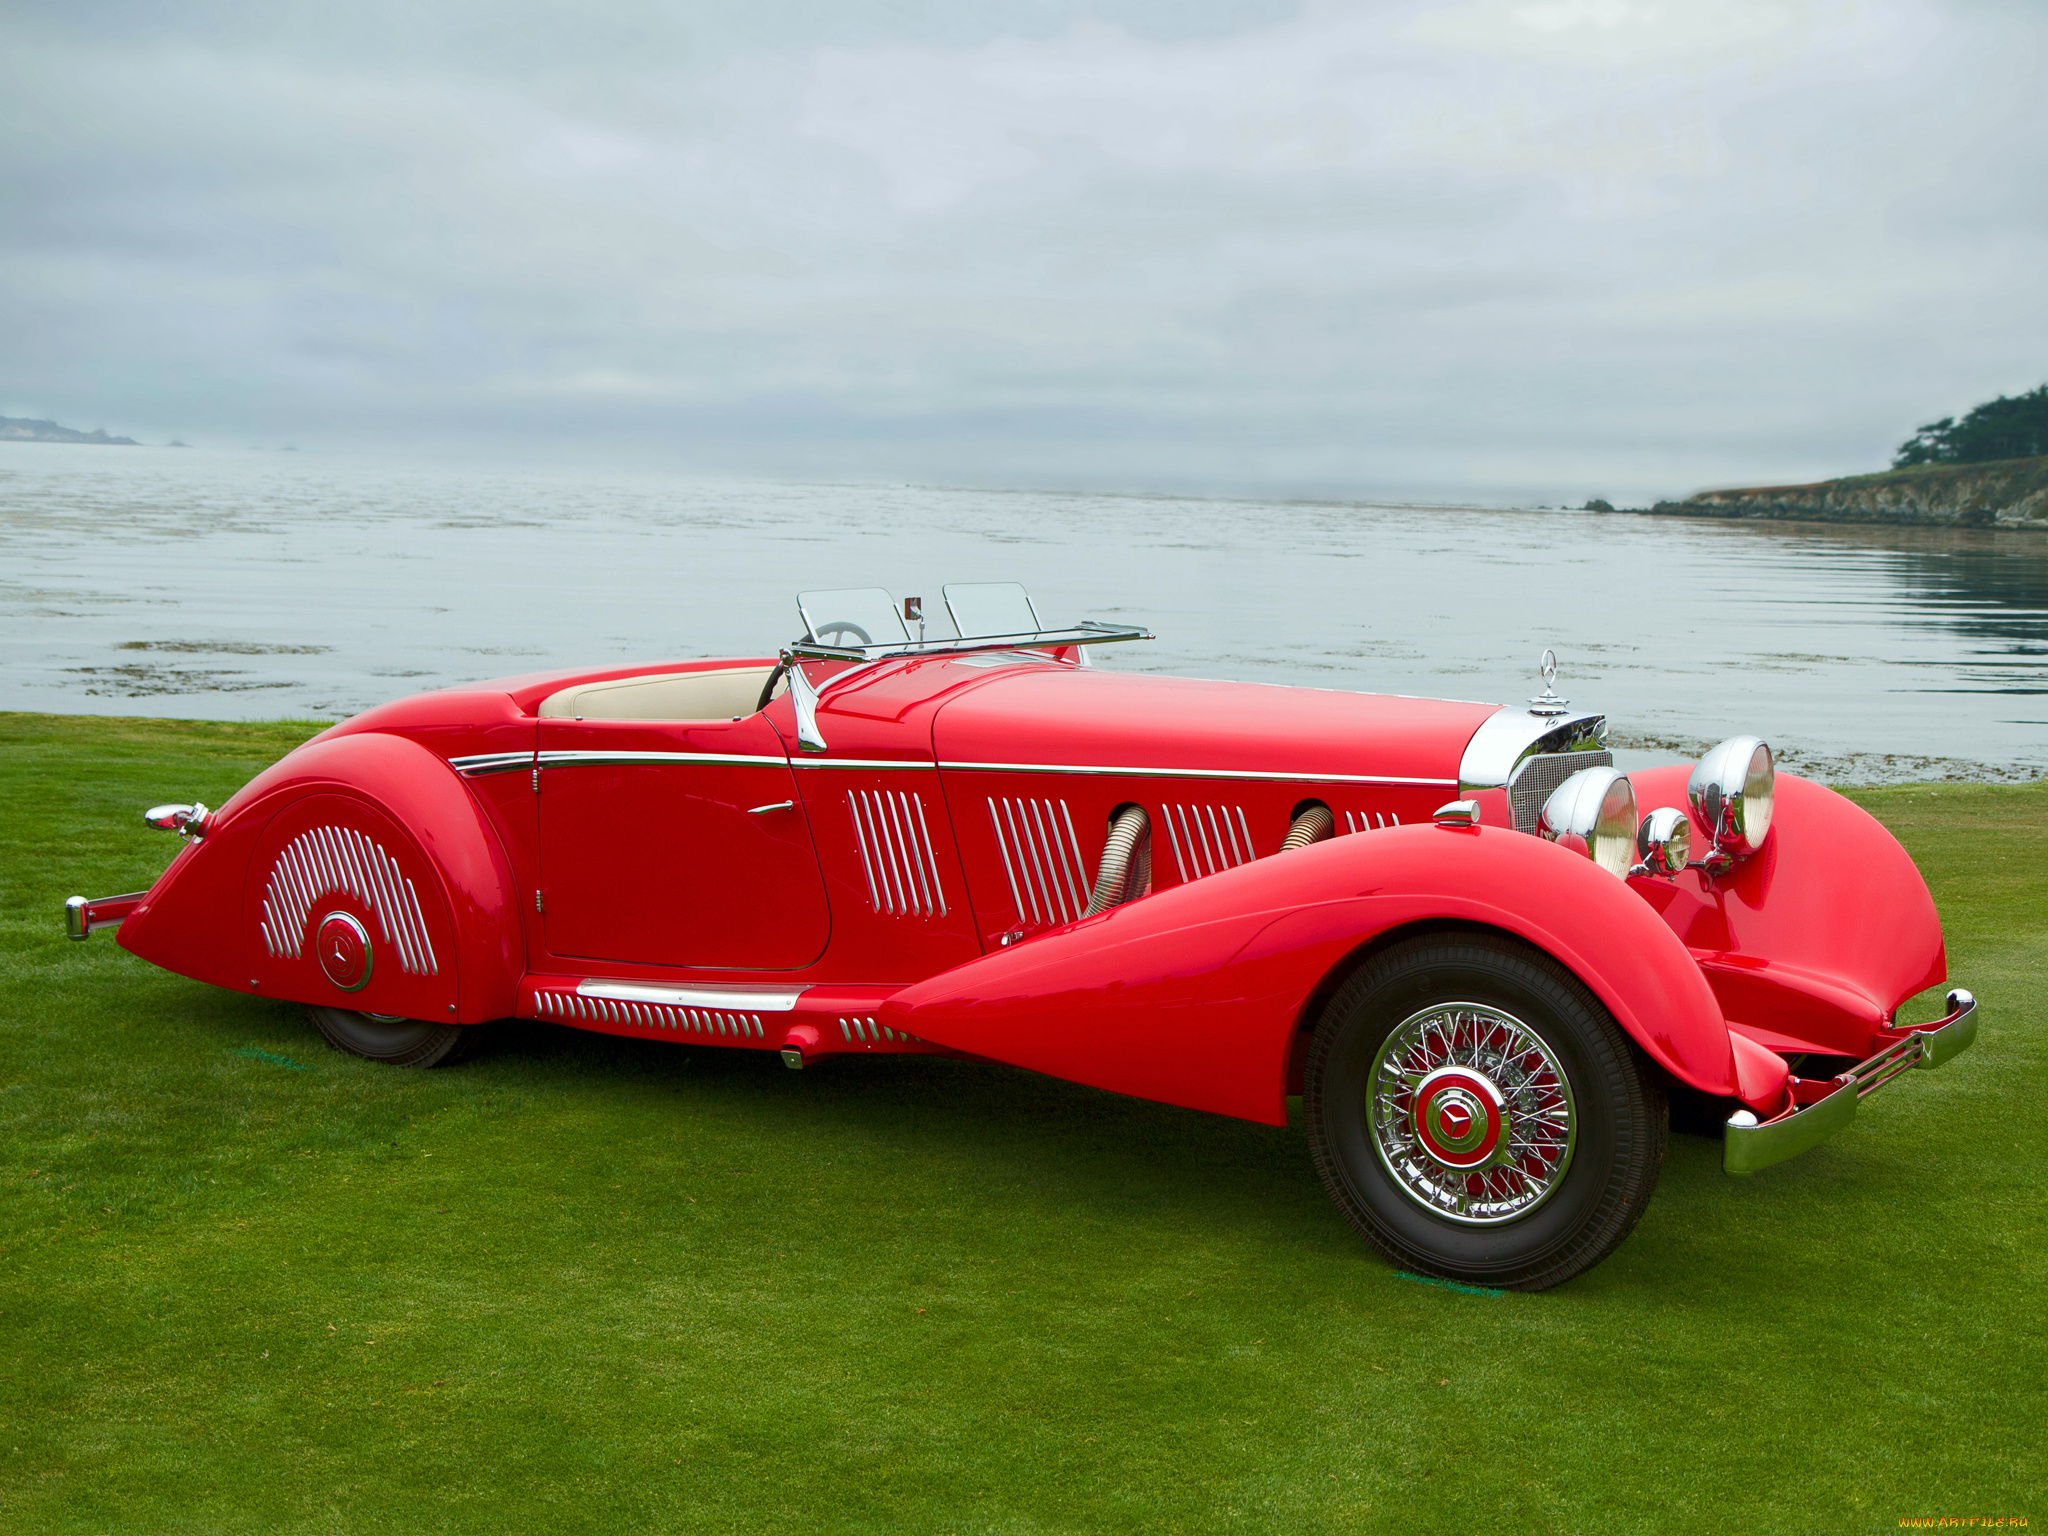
2004 493
22 429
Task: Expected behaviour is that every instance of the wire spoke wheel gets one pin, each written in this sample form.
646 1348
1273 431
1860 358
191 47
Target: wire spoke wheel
1475 1112
1472 1113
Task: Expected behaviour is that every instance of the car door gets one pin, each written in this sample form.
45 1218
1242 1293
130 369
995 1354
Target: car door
677 843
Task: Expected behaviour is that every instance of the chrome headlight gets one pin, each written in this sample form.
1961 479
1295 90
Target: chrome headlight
1664 841
1732 791
1594 812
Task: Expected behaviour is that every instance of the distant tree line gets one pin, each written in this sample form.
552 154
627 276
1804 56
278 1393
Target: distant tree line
1998 429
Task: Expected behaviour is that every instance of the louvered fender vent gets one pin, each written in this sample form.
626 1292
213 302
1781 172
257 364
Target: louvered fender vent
1207 839
331 860
712 1025
1368 821
1041 859
896 853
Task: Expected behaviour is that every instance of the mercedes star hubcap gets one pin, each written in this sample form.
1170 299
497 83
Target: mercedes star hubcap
1472 1113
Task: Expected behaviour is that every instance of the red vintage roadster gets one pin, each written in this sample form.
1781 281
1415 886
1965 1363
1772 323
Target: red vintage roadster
1450 927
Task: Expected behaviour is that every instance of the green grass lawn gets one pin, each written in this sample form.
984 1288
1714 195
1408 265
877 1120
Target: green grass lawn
581 1283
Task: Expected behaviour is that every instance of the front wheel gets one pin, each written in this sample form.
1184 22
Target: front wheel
1477 1115
397 1042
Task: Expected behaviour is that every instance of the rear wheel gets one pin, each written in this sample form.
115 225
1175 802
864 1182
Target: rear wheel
398 1042
1476 1114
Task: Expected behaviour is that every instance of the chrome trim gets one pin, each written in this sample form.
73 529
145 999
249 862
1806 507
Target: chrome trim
1663 841
1255 775
576 758
896 852
1459 813
579 1007
1508 737
1721 795
1041 856
1748 1145
1547 703
1537 778
325 861
79 922
709 995
188 821
803 698
763 810
868 763
1368 821
491 762
863 1030
1206 840
1498 1070
1594 812
1087 632
355 926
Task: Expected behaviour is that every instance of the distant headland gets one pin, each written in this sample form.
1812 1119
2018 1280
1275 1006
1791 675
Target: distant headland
2005 493
19 429
1987 470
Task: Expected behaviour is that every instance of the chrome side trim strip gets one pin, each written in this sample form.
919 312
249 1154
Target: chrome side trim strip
1253 774
860 762
574 759
710 995
491 762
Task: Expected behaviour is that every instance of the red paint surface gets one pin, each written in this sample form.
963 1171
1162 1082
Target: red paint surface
1196 994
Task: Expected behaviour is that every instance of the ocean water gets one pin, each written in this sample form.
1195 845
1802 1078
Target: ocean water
245 585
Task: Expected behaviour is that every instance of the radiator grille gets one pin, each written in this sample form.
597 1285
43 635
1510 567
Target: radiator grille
896 853
1541 774
1041 859
1207 839
330 860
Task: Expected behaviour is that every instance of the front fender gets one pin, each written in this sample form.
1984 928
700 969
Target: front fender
1193 996
446 900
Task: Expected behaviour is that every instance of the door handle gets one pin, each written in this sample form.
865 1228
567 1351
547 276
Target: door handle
763 810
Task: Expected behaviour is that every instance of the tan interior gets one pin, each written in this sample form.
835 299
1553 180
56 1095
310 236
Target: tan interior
665 696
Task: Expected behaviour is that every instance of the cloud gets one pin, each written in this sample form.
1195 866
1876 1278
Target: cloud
1490 247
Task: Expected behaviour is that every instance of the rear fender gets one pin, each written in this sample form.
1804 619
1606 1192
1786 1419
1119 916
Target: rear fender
373 825
1194 996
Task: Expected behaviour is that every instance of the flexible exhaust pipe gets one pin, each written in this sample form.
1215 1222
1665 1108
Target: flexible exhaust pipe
1313 825
1126 868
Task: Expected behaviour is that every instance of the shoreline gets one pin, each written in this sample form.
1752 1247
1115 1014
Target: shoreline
2008 494
1855 770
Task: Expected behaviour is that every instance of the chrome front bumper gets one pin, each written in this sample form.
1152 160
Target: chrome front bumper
1820 1109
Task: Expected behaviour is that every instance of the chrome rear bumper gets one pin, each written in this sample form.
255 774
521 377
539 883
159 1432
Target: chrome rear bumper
1820 1109
84 918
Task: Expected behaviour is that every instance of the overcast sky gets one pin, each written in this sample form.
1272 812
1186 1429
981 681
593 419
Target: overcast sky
1485 249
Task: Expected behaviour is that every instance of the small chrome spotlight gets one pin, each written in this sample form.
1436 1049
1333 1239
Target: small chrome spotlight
1663 842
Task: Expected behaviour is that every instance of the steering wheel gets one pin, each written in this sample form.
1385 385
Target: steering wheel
835 633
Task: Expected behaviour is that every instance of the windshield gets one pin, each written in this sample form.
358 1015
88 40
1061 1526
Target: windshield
851 616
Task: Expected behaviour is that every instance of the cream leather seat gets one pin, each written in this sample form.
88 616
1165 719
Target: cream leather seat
715 695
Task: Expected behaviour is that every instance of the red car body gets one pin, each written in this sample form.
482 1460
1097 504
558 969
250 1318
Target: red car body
921 884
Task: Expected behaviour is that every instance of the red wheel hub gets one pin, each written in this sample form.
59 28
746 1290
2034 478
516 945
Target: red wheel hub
343 947
1459 1117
